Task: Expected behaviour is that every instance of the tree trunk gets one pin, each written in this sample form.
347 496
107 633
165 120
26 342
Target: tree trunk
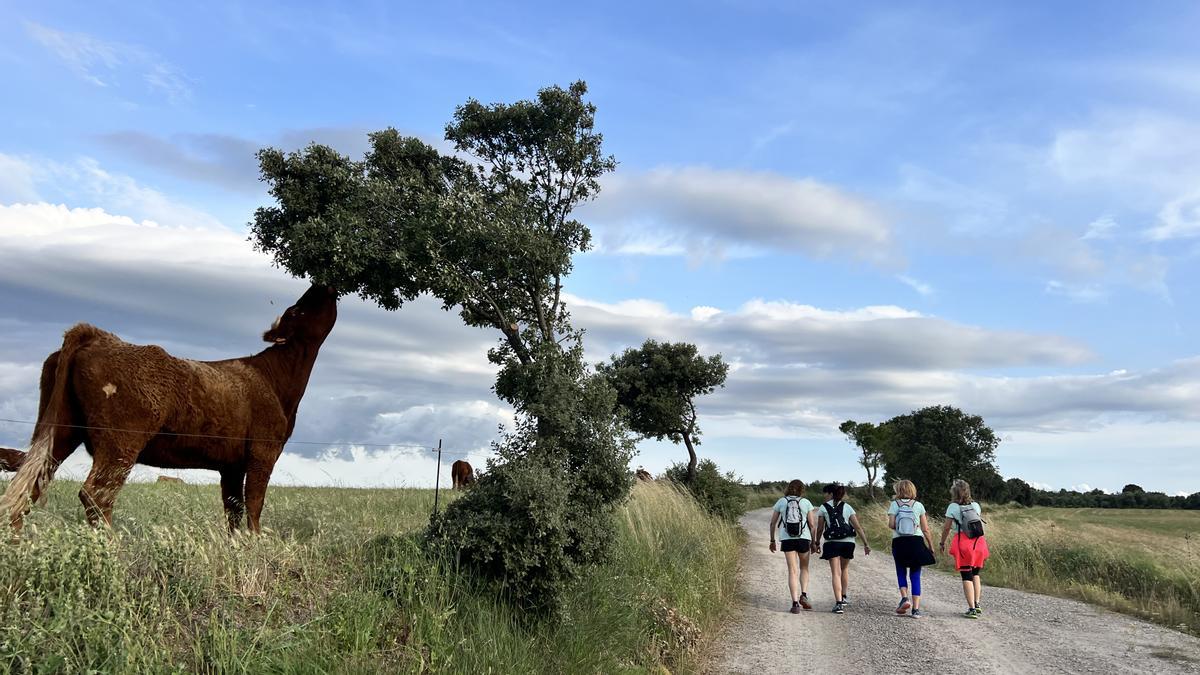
691 474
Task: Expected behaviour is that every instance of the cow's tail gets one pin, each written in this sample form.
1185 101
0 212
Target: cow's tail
40 464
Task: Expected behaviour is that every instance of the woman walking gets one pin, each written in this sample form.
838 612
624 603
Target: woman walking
839 524
969 547
793 520
912 545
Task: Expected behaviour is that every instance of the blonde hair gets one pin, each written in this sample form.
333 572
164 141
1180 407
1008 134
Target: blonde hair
904 489
960 491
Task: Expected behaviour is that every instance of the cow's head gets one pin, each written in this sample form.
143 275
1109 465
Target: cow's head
309 320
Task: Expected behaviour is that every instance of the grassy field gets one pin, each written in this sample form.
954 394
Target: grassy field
338 584
1142 562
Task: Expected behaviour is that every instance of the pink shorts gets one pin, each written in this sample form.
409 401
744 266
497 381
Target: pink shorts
967 552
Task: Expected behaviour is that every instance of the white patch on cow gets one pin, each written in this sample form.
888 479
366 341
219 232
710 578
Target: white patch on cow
109 389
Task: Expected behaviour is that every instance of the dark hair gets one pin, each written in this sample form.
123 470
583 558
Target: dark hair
838 491
794 489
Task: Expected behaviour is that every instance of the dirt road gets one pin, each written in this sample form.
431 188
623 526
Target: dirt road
1019 632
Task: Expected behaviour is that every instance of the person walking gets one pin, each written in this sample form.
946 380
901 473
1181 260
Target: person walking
839 525
969 548
793 519
912 545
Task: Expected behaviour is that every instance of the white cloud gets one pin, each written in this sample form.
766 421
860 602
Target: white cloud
707 212
1179 218
1084 293
17 183
920 287
104 63
1100 228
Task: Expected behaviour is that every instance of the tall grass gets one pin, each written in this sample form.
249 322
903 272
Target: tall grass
339 584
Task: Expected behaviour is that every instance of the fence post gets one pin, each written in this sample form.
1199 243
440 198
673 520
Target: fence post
437 482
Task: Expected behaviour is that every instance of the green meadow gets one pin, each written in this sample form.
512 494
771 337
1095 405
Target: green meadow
340 583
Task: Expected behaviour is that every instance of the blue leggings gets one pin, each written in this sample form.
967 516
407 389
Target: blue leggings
913 573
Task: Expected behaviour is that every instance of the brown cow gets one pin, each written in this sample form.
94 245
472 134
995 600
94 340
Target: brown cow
461 474
131 404
168 479
11 460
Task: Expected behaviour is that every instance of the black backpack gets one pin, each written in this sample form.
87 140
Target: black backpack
838 527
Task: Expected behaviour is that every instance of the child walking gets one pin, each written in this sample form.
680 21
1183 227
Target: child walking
793 520
912 545
969 548
839 524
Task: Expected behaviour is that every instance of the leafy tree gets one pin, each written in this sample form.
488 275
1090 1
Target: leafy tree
1020 491
657 385
1132 488
933 446
720 494
870 441
488 232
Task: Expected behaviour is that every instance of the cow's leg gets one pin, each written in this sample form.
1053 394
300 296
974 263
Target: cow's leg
233 496
114 456
258 474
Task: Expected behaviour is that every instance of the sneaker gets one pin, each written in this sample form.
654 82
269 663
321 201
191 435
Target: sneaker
971 614
839 608
916 614
795 608
978 610
845 600
903 606
804 601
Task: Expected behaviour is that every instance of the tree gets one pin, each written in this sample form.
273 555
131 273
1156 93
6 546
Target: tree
1020 491
933 446
870 441
657 385
488 232
1132 488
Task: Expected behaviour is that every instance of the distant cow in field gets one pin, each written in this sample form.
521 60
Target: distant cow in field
643 475
461 474
168 479
129 404
11 460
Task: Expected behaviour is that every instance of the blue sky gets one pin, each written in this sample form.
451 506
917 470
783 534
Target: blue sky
874 208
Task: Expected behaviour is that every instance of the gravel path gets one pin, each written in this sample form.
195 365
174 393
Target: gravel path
1019 632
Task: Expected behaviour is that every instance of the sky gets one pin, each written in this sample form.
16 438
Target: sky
866 209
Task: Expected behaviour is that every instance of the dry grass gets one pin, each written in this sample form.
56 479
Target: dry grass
338 584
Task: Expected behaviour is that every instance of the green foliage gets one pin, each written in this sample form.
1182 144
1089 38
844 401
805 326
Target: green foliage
657 385
1132 487
870 440
722 495
488 232
538 517
933 446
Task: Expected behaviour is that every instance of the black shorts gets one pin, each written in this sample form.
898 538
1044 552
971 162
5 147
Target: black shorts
797 545
837 549
970 573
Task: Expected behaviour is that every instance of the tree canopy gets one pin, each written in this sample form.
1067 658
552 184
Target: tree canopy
657 385
934 445
487 231
870 439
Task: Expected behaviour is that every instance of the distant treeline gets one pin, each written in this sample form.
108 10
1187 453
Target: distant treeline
1017 490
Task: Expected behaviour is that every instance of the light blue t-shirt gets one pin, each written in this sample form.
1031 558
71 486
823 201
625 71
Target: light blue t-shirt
918 510
805 507
847 511
954 513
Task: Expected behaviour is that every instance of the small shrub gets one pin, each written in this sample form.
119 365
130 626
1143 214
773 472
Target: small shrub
719 494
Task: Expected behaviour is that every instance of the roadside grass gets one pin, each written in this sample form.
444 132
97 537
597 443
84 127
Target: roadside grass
1140 562
339 584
